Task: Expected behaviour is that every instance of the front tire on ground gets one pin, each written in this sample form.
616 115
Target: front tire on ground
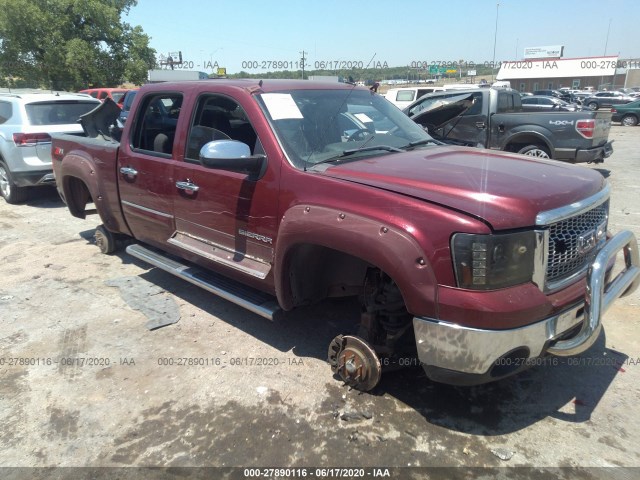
629 121
8 189
592 105
535 151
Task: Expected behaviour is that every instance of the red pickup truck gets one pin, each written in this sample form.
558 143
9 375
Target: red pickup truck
277 194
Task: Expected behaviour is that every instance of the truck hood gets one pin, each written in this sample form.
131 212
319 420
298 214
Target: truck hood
505 190
437 114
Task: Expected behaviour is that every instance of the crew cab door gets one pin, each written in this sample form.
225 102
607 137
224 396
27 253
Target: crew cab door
224 216
145 168
504 121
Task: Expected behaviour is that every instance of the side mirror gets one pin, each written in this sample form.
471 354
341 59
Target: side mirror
233 156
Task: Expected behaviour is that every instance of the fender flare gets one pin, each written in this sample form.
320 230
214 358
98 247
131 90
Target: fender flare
75 164
382 245
542 138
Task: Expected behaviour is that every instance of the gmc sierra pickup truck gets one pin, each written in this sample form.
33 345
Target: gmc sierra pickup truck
493 118
277 194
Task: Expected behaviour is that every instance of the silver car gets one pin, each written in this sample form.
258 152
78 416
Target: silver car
27 118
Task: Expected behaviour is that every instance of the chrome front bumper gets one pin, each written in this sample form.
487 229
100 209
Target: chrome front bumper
456 354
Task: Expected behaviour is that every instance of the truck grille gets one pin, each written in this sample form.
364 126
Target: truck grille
573 242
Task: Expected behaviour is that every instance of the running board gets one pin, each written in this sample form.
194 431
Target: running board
253 300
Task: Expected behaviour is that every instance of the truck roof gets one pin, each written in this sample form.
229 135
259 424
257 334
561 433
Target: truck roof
251 84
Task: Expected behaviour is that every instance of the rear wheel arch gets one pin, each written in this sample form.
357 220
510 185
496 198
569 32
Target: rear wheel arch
521 142
77 195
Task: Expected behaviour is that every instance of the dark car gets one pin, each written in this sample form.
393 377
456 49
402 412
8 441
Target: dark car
125 104
607 99
627 114
547 104
566 96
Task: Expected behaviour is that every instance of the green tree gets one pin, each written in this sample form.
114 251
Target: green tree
71 44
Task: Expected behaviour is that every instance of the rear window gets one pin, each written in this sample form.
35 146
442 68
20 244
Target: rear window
57 113
5 111
405 96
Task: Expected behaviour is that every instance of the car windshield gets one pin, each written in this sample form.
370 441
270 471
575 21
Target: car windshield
316 126
117 95
58 113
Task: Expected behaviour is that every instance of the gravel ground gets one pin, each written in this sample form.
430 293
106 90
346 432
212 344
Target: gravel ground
83 382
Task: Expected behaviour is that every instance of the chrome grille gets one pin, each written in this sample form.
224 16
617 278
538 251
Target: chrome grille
572 242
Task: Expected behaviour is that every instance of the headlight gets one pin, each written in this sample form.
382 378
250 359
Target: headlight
488 262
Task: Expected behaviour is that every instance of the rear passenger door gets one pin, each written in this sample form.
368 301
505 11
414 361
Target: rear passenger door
145 168
503 121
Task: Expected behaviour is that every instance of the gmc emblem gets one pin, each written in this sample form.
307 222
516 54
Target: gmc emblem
587 242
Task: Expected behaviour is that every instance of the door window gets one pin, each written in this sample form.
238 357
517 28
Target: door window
218 117
156 128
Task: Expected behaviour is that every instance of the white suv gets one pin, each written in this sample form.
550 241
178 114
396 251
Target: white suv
27 118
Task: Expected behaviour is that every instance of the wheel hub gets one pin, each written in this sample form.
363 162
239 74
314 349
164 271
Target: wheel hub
355 362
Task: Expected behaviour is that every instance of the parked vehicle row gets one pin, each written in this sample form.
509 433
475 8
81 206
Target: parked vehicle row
606 99
627 114
535 103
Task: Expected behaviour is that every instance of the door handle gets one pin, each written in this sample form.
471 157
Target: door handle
481 125
129 172
188 186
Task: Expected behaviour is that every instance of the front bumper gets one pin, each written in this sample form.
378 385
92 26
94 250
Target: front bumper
455 354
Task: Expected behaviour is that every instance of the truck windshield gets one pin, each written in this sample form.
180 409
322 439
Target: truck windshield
314 126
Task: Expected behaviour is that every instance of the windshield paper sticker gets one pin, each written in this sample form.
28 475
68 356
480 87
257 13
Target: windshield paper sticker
363 117
281 106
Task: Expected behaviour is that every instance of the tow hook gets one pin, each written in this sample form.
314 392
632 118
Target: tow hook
355 362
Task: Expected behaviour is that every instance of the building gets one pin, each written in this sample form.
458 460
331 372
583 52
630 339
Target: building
576 73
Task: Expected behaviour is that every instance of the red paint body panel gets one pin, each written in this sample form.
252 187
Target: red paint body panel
422 197
505 190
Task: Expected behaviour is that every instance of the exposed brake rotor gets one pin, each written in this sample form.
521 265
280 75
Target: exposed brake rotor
355 361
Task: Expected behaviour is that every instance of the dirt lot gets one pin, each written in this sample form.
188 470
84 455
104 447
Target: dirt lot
83 381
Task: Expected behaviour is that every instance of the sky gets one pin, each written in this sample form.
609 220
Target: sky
249 34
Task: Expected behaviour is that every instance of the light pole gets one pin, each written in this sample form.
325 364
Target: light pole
495 38
606 42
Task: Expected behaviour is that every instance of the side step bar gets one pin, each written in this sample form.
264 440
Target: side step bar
253 300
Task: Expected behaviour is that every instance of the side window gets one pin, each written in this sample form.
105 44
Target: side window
5 111
94 94
156 126
102 95
476 108
218 117
507 102
405 96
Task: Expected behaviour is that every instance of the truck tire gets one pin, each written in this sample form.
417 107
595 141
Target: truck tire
535 151
629 120
8 189
105 240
